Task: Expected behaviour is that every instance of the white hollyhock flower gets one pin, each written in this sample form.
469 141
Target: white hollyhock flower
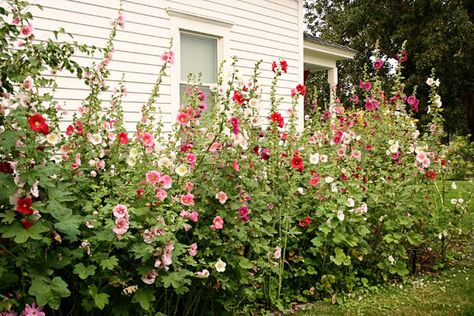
314 159
220 265
53 138
181 170
341 216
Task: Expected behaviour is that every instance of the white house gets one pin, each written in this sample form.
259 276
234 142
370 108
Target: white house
205 32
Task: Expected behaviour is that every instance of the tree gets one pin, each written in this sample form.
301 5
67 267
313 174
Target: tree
439 34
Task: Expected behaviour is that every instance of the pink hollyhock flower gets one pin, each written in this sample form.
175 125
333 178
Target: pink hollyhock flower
148 236
150 277
314 181
153 177
221 196
235 165
147 139
277 252
421 156
166 258
193 249
203 274
426 163
354 99
194 216
215 147
341 152
356 154
183 118
28 83
187 227
184 214
27 30
378 64
187 199
121 21
100 164
217 223
121 226
32 310
188 186
161 194
191 158
168 57
165 180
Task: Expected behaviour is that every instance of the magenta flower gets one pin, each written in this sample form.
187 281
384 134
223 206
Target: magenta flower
165 180
161 194
191 158
378 64
183 118
27 30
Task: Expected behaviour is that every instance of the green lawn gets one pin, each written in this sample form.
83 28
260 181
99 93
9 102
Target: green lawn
450 293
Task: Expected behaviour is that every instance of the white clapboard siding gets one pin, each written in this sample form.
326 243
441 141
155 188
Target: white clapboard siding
264 29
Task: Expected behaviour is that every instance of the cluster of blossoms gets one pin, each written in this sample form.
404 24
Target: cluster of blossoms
29 310
120 212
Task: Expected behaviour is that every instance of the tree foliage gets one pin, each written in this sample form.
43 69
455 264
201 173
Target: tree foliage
439 34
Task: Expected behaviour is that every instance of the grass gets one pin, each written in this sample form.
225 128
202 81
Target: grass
451 292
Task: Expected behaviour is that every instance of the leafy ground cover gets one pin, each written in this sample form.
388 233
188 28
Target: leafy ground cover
449 292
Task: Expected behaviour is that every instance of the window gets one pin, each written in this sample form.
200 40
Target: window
201 42
199 55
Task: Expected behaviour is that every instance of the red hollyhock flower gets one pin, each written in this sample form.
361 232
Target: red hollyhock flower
277 118
274 65
430 174
70 130
238 98
301 89
5 167
284 65
305 221
23 206
123 138
297 163
26 223
38 124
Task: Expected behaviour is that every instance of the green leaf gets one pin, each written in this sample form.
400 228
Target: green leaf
109 263
144 297
49 292
245 263
101 300
414 238
340 257
83 271
20 234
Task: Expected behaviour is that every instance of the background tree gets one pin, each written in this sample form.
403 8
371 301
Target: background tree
439 34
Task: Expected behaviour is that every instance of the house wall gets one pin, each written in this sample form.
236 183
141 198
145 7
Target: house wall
264 29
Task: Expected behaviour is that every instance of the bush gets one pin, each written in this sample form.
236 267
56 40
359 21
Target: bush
230 213
461 158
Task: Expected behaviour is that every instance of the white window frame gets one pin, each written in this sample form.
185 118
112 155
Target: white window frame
190 22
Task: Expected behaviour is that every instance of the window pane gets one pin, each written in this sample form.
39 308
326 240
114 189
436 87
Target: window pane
198 55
